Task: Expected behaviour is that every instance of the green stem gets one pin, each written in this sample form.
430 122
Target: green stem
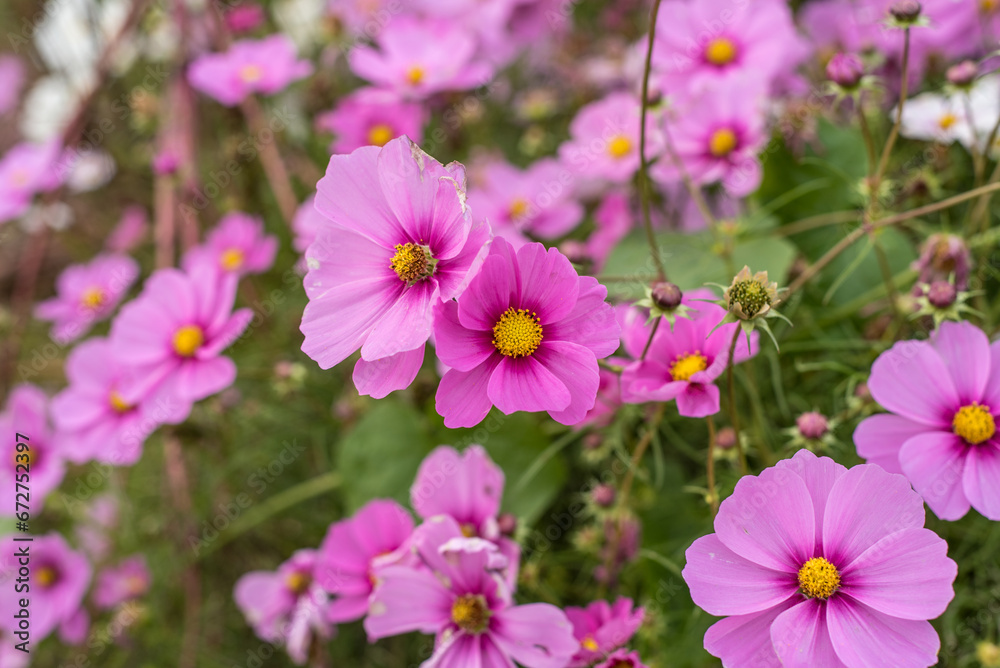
903 89
733 416
654 249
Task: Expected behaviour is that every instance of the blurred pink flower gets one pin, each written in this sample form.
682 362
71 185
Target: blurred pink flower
264 66
237 245
130 230
525 336
11 81
604 139
125 581
58 581
245 18
601 628
87 293
622 659
25 170
704 44
684 360
717 136
306 224
458 595
417 58
372 117
26 413
814 564
288 605
93 421
398 240
537 201
354 549
170 339
943 398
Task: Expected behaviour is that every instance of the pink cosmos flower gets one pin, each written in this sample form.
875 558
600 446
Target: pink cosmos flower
26 413
815 564
287 605
170 339
92 419
398 240
372 117
417 58
525 336
604 139
622 659
354 549
245 18
684 361
601 628
87 293
11 80
751 45
536 201
306 224
468 488
116 584
237 245
943 398
717 136
129 232
25 170
458 593
58 581
264 66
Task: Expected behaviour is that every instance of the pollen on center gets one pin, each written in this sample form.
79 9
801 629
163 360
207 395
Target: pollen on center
686 366
947 120
188 339
720 51
974 424
722 142
818 578
470 613
517 333
231 259
415 75
93 298
251 73
412 262
118 403
619 146
380 134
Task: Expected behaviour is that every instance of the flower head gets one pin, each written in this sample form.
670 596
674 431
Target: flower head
25 170
372 117
622 659
943 398
398 239
236 245
87 293
814 564
525 336
26 412
601 628
122 582
249 66
846 70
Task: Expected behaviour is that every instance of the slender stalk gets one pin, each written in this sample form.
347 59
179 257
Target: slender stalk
867 134
812 222
713 499
733 415
894 132
654 249
639 451
270 158
164 220
649 341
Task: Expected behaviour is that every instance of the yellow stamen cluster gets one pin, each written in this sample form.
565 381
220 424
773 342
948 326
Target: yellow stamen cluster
720 51
93 298
415 75
411 262
751 295
468 531
722 142
619 146
818 578
470 613
231 259
589 644
947 120
686 366
297 582
118 403
517 333
974 423
379 135
988 6
251 73
188 339
46 576
518 207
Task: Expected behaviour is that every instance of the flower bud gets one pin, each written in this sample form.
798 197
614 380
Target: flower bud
507 523
603 496
812 425
726 438
845 70
666 295
962 74
941 294
905 11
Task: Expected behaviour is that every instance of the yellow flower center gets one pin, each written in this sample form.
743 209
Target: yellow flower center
519 207
468 530
988 6
517 333
119 404
947 120
30 457
231 260
135 585
470 613
412 262
188 339
722 142
720 51
751 295
415 75
19 177
588 643
46 576
619 146
93 298
974 424
297 582
380 135
250 73
686 366
818 578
